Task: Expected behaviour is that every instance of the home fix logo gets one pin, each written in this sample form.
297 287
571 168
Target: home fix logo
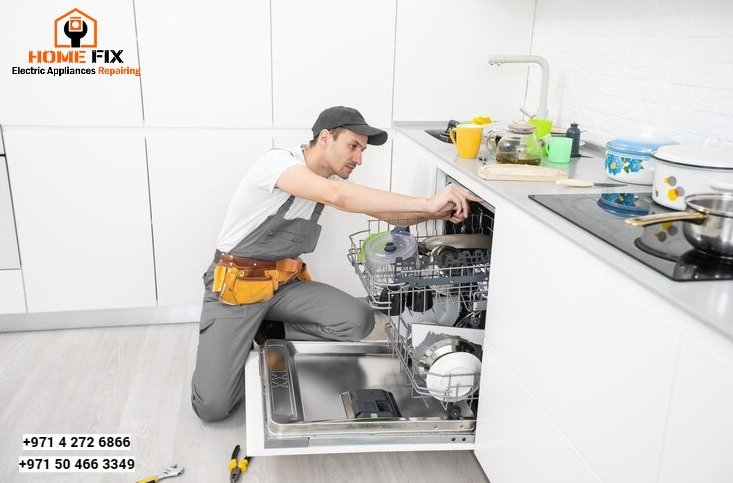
73 33
73 27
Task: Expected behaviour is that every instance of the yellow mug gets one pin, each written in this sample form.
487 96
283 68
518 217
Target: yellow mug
467 138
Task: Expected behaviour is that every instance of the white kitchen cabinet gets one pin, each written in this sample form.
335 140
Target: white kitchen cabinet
413 170
441 69
9 258
700 424
205 65
328 263
516 440
83 217
12 298
590 346
68 100
193 175
326 54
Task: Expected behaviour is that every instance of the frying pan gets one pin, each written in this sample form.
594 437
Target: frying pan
709 222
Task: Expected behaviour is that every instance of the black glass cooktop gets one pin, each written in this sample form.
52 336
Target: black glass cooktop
662 247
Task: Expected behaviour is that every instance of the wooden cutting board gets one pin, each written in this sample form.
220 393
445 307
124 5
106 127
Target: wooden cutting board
520 172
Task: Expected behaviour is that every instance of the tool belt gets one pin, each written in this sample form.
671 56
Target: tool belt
240 281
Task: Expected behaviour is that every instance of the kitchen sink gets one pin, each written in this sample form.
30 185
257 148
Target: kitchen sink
443 134
439 134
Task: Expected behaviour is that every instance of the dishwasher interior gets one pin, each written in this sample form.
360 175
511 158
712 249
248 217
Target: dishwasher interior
422 384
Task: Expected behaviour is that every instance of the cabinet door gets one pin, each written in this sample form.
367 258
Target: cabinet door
12 298
516 441
329 52
328 263
441 61
700 425
591 347
8 243
83 217
192 178
413 169
70 99
205 65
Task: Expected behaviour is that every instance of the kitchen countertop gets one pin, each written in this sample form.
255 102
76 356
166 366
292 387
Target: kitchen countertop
710 302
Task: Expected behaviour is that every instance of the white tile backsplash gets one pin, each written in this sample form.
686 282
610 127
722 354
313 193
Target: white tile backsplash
623 67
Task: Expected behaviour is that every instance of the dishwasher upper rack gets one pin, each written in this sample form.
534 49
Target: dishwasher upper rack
466 270
462 281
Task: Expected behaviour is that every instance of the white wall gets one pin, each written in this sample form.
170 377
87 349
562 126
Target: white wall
619 67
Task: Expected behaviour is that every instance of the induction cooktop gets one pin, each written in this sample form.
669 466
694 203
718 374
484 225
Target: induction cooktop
662 247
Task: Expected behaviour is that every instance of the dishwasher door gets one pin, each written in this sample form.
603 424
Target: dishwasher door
295 391
295 402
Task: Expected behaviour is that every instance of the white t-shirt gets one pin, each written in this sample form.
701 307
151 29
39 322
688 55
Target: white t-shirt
256 197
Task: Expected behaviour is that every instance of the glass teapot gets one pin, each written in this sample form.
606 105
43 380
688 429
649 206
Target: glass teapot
517 145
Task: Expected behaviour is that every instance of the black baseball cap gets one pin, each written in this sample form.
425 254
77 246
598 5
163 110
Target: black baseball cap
351 119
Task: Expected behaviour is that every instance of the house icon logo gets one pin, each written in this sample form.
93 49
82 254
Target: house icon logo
75 29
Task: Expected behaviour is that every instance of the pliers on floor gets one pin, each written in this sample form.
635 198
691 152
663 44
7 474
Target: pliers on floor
170 471
237 468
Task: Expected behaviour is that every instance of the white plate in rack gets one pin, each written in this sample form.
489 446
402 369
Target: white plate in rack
454 376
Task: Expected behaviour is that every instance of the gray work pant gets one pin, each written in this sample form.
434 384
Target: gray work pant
309 311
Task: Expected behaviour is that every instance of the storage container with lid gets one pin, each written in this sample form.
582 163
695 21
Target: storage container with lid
384 249
628 158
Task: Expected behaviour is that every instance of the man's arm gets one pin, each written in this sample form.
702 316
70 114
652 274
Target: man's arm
351 197
355 198
415 218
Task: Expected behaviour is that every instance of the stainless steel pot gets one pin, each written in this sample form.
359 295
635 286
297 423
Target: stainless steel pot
665 240
709 226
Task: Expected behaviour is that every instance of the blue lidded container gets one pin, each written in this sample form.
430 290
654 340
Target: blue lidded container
628 159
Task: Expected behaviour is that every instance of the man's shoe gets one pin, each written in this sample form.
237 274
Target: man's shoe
269 329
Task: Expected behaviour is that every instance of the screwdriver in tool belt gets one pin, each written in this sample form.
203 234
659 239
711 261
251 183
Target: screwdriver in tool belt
237 468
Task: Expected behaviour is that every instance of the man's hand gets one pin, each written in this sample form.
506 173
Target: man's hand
451 204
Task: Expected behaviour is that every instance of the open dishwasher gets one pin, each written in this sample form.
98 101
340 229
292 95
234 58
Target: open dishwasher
419 389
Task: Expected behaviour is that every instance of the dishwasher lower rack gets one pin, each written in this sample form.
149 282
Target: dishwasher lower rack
460 284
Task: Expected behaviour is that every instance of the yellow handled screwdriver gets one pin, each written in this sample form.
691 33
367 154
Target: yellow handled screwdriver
236 469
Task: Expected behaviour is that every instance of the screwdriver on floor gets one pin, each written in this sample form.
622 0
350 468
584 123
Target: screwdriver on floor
236 469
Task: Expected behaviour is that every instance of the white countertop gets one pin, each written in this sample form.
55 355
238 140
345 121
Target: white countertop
710 302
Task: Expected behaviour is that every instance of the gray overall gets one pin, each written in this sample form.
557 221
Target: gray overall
309 311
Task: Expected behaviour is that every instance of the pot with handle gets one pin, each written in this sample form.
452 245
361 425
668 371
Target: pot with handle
628 158
686 170
665 240
709 222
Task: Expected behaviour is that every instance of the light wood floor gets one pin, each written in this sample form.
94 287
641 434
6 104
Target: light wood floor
136 380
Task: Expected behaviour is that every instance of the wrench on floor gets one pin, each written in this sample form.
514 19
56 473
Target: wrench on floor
168 472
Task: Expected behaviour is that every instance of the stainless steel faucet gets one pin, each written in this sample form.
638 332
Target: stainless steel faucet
529 59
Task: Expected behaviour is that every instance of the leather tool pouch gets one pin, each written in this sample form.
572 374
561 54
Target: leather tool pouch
304 274
241 286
